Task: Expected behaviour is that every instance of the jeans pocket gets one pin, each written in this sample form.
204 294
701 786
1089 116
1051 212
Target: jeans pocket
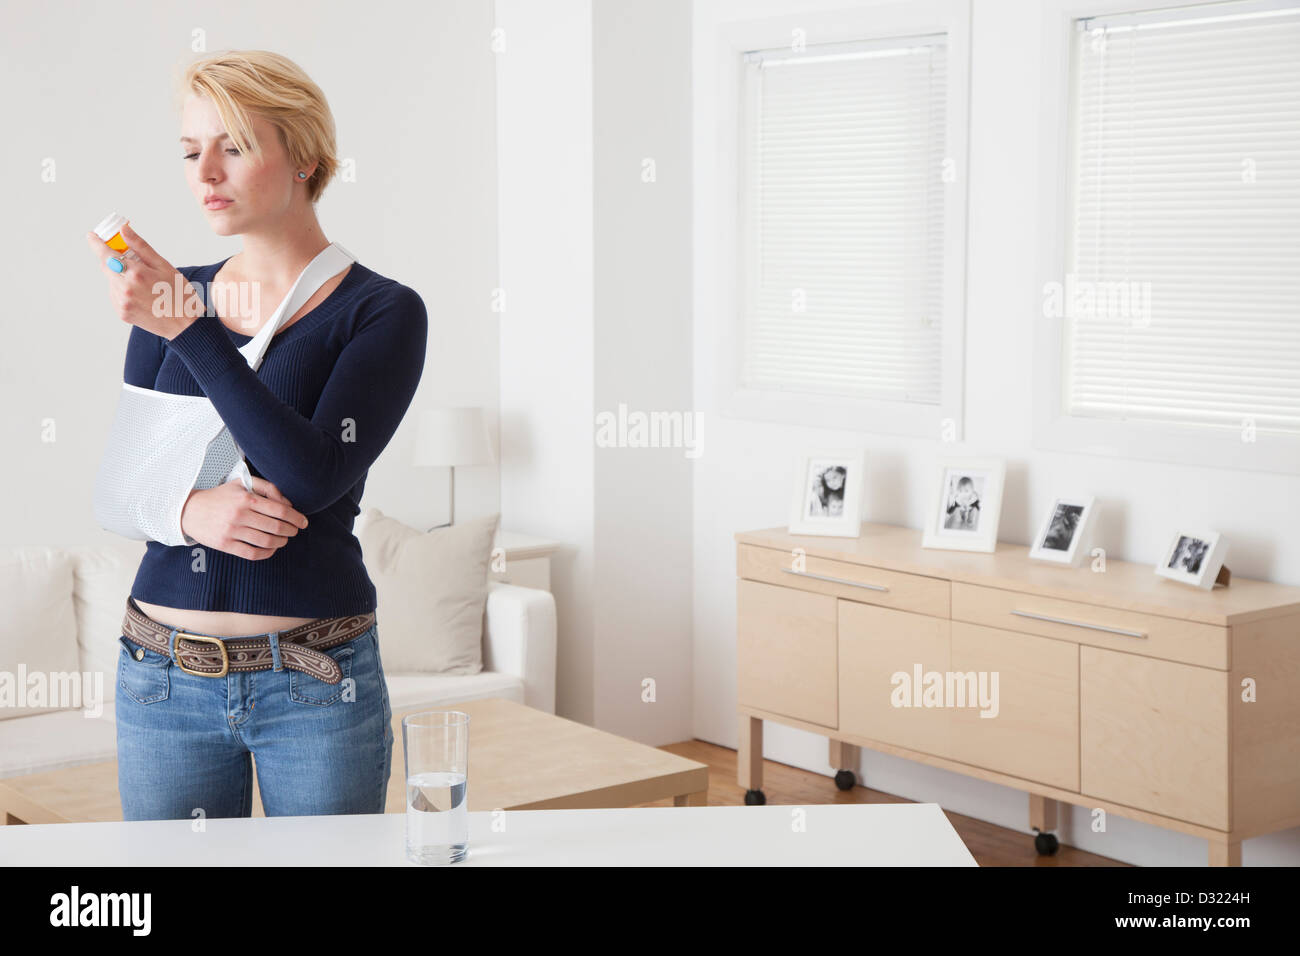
305 689
144 675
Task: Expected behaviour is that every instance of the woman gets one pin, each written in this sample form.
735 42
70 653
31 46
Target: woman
286 662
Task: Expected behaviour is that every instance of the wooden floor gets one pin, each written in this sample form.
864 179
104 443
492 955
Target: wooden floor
991 845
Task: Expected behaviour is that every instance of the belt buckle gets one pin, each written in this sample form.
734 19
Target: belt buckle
203 638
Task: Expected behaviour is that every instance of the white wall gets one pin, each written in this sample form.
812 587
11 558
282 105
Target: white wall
642 83
91 88
742 480
544 140
595 260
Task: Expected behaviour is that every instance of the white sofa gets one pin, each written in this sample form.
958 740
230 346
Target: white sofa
79 596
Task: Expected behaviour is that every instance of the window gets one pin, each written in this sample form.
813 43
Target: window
1182 227
850 214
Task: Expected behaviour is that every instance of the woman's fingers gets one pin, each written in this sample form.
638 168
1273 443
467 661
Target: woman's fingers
276 505
267 490
143 250
138 250
260 539
258 520
241 550
101 250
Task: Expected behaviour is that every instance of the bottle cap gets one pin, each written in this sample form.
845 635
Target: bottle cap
108 226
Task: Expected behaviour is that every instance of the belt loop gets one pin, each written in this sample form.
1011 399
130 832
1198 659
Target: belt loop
171 645
276 663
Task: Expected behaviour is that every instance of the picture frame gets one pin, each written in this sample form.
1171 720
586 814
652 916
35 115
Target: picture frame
965 505
1065 535
1194 557
827 496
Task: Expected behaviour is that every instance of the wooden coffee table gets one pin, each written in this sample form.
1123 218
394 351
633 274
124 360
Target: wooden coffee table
519 759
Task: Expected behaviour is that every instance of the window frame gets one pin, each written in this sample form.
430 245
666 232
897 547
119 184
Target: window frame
1053 428
944 421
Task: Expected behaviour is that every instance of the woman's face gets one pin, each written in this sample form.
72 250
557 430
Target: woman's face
258 192
834 480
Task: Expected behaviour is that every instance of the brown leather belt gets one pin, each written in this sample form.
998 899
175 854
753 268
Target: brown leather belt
204 656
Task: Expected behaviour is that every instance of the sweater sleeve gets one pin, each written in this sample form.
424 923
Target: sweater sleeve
145 351
144 355
315 461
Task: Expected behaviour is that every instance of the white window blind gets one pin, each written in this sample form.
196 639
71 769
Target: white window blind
842 219
1184 303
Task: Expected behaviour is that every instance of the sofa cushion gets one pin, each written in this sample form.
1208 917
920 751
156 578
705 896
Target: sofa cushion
430 591
55 741
103 580
440 691
38 639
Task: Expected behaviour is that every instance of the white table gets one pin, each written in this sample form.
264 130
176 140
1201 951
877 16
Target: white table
856 834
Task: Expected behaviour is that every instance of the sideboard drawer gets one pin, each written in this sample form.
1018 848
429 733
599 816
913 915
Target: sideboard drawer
854 582
1031 730
876 645
785 652
1114 628
1154 735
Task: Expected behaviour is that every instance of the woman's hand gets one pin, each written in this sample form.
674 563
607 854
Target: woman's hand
248 524
150 293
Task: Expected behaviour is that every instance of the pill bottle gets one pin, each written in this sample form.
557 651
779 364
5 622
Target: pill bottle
108 230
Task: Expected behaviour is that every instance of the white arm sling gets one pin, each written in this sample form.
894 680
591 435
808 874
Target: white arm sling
163 446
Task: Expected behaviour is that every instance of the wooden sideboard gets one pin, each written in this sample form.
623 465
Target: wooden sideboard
1116 690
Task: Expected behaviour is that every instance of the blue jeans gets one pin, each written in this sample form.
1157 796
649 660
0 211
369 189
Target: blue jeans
185 743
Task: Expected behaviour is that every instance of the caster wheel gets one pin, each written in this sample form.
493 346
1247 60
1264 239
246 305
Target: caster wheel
844 779
1046 844
754 798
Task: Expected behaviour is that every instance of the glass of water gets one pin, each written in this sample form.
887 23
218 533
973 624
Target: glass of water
435 745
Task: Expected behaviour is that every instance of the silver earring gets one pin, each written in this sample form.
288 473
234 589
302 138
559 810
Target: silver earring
302 175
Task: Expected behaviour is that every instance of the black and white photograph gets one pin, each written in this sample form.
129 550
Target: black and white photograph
826 491
1188 554
965 512
1060 533
1063 536
1194 557
827 496
961 501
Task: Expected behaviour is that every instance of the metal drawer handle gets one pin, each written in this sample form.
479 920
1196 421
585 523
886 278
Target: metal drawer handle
1095 627
823 577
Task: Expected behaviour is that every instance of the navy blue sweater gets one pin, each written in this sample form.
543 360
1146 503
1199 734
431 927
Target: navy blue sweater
328 396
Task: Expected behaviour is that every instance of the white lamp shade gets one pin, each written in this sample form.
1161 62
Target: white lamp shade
453 436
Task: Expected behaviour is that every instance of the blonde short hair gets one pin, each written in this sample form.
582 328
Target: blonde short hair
244 82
